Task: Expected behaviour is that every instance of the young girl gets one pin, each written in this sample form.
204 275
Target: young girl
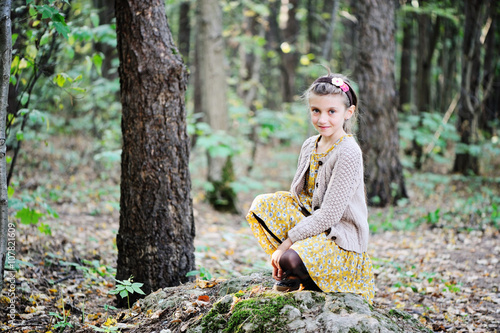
317 234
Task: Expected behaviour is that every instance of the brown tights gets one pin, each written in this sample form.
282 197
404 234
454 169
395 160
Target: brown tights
293 268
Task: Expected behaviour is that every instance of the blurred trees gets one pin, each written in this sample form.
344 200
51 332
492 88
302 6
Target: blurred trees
64 77
155 239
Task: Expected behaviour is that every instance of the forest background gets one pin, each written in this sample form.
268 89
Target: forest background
64 134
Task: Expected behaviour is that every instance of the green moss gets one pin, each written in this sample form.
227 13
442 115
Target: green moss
263 313
353 330
400 314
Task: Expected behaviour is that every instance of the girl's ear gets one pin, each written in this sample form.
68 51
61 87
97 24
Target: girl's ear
349 112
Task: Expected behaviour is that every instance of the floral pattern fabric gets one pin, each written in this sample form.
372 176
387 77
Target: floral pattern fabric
332 268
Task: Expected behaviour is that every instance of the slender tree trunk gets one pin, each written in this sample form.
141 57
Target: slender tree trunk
490 106
469 105
272 78
106 14
327 48
184 30
213 102
450 52
427 40
290 59
378 131
155 239
250 78
7 238
350 40
405 80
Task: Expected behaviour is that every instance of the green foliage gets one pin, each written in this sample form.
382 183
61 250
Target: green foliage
202 272
30 208
126 287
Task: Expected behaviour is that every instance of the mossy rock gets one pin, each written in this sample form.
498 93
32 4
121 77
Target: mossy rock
248 304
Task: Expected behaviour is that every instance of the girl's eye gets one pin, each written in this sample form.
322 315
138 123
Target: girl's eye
314 110
331 111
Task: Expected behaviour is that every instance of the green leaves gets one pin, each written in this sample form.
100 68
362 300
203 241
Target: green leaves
50 11
126 287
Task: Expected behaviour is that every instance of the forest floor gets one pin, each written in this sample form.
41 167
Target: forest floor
435 256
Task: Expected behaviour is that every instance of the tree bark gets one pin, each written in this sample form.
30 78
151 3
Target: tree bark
155 238
469 105
213 102
6 241
378 131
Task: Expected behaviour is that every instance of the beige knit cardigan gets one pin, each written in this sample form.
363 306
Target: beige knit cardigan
339 201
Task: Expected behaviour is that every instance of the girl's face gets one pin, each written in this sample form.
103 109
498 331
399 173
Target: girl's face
328 113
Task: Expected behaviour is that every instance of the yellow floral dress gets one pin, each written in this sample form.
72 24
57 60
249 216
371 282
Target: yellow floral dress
332 268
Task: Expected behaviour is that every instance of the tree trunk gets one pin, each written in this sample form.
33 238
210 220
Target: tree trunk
327 48
7 235
184 30
405 80
469 105
289 58
427 40
106 15
272 79
490 107
378 130
213 102
250 78
155 239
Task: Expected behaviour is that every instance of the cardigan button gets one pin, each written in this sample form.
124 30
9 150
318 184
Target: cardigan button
316 207
320 162
317 184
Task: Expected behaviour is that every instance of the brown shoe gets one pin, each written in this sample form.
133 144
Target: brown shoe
287 285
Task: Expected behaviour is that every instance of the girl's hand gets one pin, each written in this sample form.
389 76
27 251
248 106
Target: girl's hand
275 258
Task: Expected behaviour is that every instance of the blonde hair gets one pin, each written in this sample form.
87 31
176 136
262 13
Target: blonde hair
322 86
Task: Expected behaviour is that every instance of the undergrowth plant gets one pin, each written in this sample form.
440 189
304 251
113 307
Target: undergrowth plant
126 287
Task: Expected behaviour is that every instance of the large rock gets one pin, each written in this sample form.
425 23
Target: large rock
248 304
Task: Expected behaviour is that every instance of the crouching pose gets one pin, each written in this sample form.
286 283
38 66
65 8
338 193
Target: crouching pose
317 234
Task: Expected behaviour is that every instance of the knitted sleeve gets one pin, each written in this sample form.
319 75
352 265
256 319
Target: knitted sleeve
341 188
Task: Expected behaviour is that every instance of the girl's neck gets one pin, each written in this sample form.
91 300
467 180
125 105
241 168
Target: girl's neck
326 142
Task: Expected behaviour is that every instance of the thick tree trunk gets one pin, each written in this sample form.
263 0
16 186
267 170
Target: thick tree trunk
469 105
405 80
155 239
7 238
213 102
378 131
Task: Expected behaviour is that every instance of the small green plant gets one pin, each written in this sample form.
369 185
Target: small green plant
126 287
203 273
62 319
433 217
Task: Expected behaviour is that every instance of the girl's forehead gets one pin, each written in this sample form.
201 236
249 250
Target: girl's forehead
333 99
